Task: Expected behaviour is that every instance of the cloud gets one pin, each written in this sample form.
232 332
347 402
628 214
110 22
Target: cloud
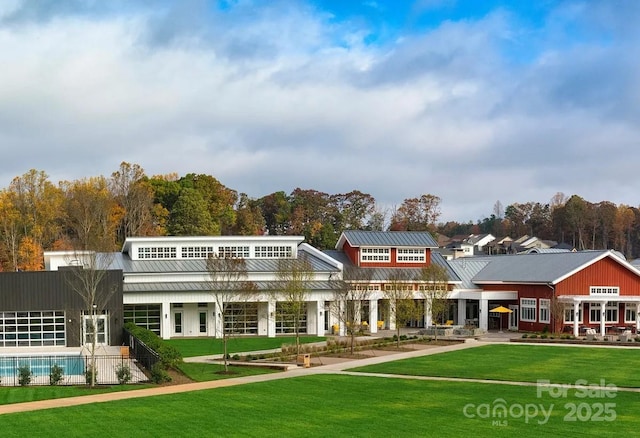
266 98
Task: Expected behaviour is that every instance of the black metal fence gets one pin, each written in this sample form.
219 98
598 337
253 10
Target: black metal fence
30 370
144 355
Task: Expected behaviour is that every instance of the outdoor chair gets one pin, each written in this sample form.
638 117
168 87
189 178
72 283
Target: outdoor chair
625 336
591 335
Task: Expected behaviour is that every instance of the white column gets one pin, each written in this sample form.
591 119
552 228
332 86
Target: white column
315 318
428 321
602 312
271 319
218 321
484 315
576 317
342 331
462 311
165 330
373 316
392 316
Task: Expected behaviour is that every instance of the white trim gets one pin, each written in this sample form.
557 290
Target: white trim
545 304
532 304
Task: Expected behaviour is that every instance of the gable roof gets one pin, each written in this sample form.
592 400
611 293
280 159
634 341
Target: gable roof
545 268
356 238
383 274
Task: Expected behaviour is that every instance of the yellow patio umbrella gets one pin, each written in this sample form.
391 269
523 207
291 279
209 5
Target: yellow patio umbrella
501 309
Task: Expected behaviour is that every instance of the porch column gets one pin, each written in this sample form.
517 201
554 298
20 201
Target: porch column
576 317
165 330
373 316
462 312
219 321
602 312
428 321
484 315
315 318
271 319
392 317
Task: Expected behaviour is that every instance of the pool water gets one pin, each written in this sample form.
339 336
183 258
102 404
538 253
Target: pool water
41 365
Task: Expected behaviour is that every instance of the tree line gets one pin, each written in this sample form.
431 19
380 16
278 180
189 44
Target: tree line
99 212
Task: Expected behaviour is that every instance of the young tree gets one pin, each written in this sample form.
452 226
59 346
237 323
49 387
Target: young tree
86 276
348 295
228 283
291 291
435 292
399 291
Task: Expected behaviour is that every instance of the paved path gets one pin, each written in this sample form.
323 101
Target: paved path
333 368
173 389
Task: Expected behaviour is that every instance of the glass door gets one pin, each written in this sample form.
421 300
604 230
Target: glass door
513 317
100 323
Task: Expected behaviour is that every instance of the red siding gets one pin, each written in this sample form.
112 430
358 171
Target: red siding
354 256
527 291
352 253
605 272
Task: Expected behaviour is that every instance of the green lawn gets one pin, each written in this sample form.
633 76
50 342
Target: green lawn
207 346
334 405
202 372
18 394
524 363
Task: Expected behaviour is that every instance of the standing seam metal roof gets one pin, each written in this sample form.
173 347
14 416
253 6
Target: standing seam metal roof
390 238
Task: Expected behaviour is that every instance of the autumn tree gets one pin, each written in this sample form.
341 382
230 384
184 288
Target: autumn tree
348 296
228 283
38 203
92 214
249 220
291 291
9 231
133 193
399 292
435 291
417 214
276 211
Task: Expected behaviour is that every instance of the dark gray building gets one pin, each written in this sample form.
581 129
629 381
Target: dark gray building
42 309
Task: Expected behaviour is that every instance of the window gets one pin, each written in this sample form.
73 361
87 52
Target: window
241 318
399 287
274 252
569 313
594 312
410 255
604 290
611 312
630 312
32 329
196 252
236 252
544 310
528 309
375 255
286 321
157 253
143 315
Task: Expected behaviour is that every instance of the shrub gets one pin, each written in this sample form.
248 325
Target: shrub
24 374
123 372
88 373
169 355
543 336
55 374
235 357
159 374
524 336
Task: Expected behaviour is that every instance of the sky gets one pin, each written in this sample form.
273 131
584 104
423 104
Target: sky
472 101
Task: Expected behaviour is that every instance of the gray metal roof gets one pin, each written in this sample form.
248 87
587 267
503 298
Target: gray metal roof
466 268
192 286
534 268
421 239
128 266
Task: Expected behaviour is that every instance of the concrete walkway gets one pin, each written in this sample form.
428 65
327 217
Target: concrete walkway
174 389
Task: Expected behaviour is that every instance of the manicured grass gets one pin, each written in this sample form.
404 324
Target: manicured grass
18 394
524 363
208 346
328 405
202 372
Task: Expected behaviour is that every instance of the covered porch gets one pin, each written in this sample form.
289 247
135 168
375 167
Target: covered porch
607 315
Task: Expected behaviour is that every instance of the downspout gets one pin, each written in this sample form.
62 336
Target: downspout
552 304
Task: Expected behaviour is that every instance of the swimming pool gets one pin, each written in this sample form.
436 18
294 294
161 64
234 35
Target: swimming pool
40 365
